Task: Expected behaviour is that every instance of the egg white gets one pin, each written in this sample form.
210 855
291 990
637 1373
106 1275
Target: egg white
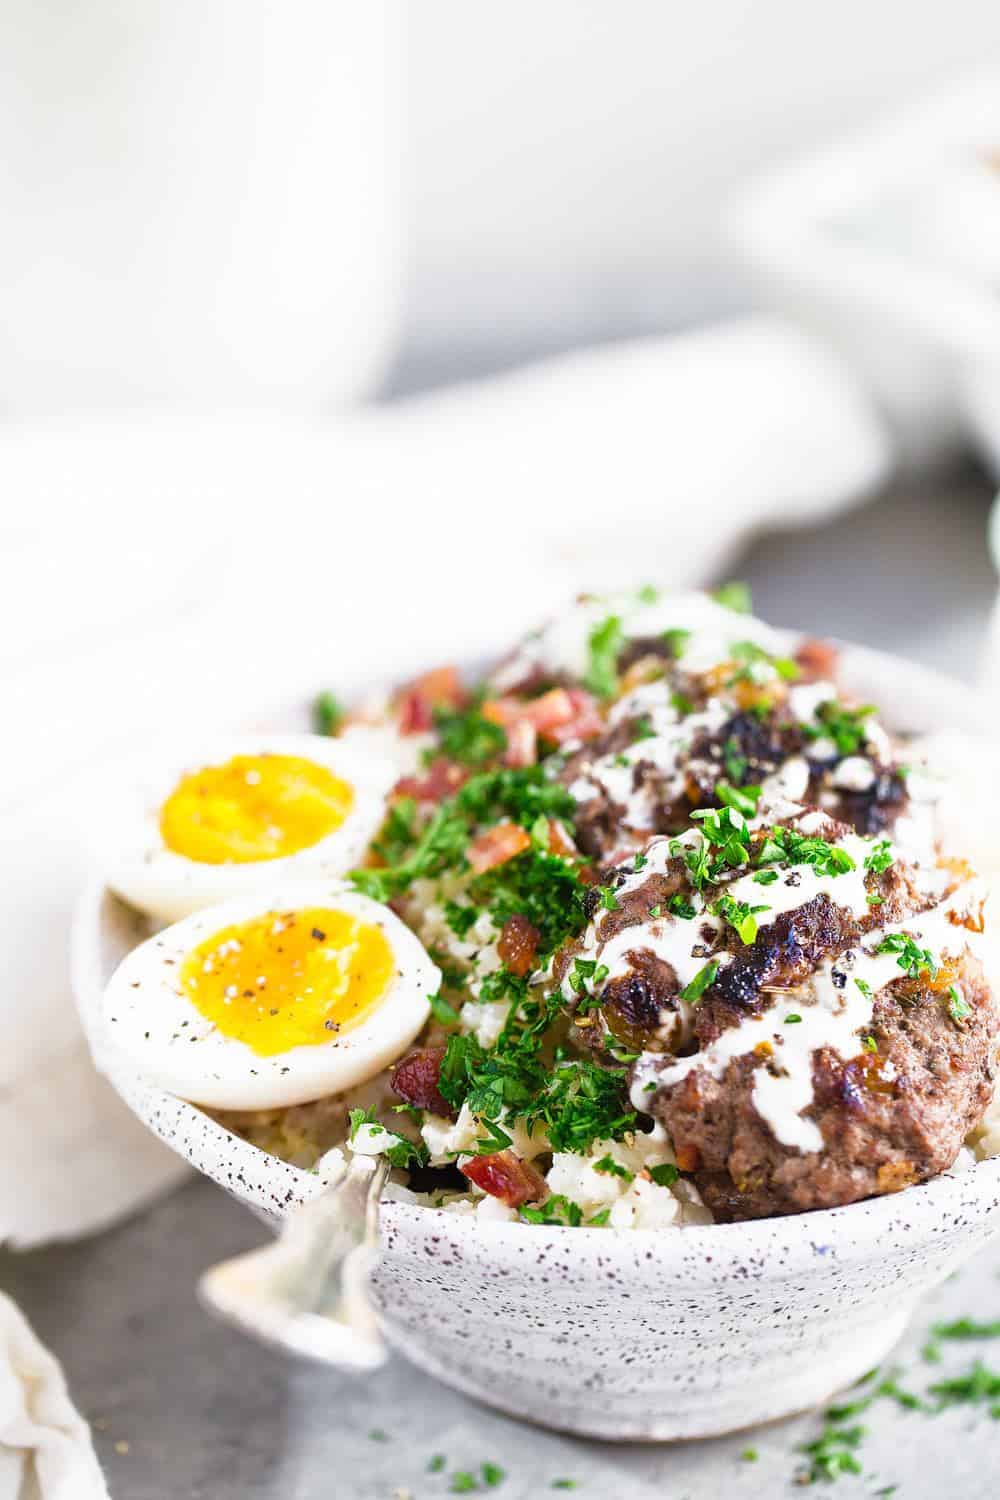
149 1022
168 886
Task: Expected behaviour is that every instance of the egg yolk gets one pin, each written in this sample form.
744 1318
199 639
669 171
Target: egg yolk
289 979
255 807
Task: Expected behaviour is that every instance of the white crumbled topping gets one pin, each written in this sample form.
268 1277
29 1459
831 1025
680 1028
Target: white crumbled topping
855 773
484 1019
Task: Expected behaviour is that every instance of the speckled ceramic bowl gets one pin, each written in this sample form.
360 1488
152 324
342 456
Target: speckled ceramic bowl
623 1334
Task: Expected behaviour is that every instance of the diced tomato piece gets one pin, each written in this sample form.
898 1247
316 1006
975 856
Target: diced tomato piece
817 660
586 720
518 944
441 688
415 1080
443 779
507 1177
496 845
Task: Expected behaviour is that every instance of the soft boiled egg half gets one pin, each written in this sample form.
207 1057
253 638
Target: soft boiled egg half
253 810
262 1003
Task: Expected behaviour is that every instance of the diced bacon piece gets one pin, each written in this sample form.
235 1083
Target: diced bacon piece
415 1080
507 1177
496 845
441 688
560 715
817 660
443 779
522 744
518 944
585 723
688 1158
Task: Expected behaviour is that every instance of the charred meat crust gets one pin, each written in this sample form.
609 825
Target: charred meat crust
888 1119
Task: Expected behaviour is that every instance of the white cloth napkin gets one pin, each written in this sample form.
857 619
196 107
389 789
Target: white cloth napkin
45 1447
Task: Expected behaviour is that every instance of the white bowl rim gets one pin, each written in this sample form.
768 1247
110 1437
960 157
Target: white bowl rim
274 1186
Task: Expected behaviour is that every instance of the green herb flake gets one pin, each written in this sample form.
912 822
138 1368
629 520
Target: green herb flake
705 976
492 1475
958 1007
612 1168
910 957
792 1019
665 1174
967 1328
844 726
750 1455
604 646
442 1012
327 714
734 595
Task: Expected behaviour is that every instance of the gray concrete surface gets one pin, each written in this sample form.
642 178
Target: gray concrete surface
187 1410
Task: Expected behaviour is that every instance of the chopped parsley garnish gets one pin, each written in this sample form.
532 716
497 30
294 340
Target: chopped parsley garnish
492 1475
792 1018
327 714
789 846
558 1209
834 1452
958 1007
880 858
735 596
678 906
544 888
681 704
522 795
744 799
568 1484
664 1175
496 1139
436 1463
442 1012
967 1328
693 991
734 760
612 1168
585 970
467 736
607 898
869 1044
401 1153
740 916
398 833
864 987
756 663
844 726
676 641
910 957
765 877
605 646
980 1384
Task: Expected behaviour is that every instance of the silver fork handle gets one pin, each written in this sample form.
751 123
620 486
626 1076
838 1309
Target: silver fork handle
307 1292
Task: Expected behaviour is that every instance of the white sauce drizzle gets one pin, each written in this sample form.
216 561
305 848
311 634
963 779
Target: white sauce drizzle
562 645
833 1011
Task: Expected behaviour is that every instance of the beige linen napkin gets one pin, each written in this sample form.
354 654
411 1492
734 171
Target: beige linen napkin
45 1447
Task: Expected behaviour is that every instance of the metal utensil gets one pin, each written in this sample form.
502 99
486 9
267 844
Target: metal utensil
307 1292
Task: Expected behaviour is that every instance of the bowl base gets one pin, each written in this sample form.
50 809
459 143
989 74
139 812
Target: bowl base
769 1396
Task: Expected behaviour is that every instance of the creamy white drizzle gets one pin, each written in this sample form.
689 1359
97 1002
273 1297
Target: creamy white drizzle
563 645
833 1010
664 749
